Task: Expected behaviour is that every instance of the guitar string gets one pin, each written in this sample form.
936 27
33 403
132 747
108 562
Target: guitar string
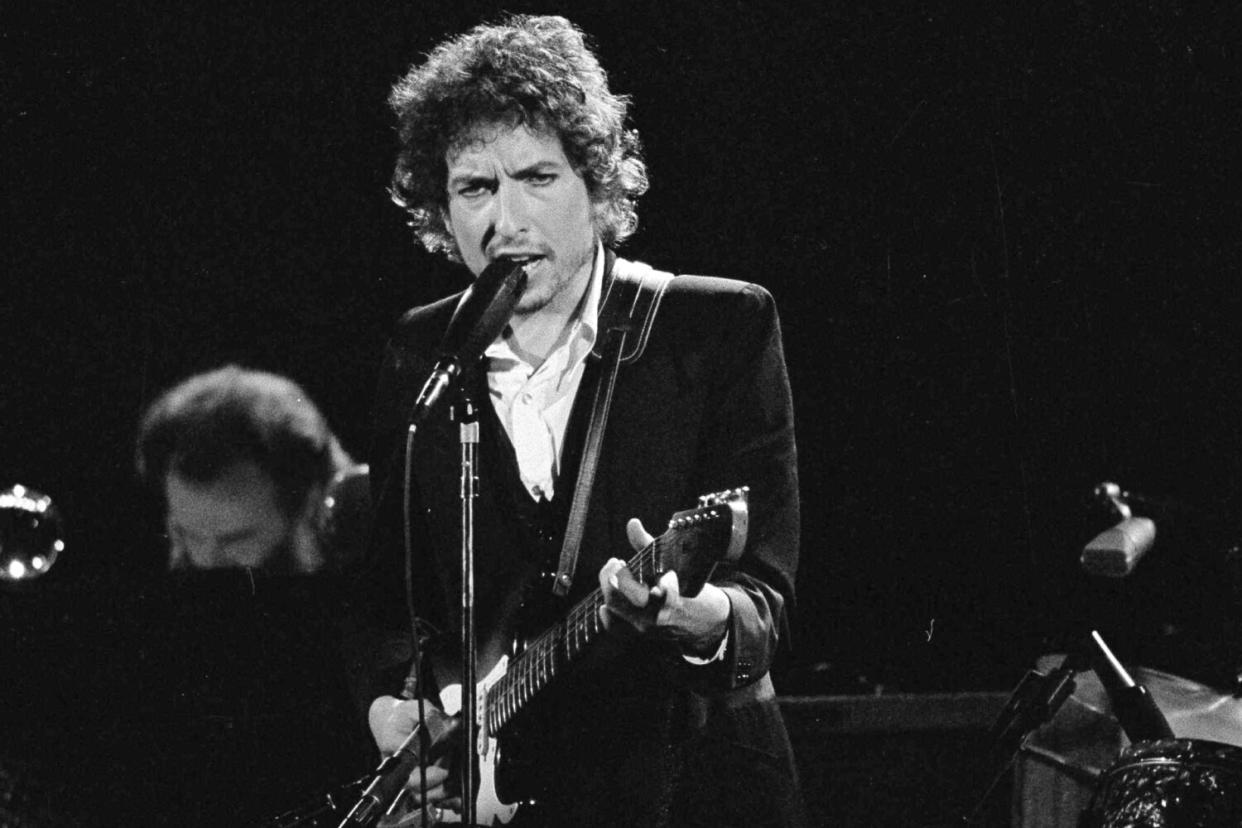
536 666
531 671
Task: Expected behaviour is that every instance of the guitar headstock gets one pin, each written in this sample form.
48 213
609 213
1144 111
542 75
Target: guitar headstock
698 539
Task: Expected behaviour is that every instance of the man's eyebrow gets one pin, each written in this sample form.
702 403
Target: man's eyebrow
468 175
469 178
539 167
536 168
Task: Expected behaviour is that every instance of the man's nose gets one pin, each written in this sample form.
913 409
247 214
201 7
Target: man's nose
511 215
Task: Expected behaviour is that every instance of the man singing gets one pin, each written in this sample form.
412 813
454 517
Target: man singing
513 147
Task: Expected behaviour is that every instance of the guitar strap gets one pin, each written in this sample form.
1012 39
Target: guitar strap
627 313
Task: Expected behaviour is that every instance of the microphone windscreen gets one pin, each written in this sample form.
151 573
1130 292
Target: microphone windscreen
483 311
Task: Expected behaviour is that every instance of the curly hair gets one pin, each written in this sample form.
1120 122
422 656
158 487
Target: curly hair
531 71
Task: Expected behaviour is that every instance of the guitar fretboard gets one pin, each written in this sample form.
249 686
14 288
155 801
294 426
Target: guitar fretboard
557 647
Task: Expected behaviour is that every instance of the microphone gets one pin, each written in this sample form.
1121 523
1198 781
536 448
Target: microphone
388 781
434 740
1115 552
1137 712
481 315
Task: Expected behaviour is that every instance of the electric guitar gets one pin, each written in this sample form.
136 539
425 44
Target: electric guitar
694 543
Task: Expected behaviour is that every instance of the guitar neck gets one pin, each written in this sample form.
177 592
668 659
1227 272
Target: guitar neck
559 646
696 540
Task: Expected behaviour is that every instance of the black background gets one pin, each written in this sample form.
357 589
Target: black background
1003 243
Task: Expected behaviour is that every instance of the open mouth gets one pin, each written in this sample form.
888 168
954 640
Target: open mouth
526 260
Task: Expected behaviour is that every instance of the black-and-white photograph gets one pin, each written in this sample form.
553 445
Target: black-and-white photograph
621 414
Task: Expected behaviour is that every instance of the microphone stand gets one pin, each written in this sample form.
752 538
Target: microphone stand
466 415
481 314
390 776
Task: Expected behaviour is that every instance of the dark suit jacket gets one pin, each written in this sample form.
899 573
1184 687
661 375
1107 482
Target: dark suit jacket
638 736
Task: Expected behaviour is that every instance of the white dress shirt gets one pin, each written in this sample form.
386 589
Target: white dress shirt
533 404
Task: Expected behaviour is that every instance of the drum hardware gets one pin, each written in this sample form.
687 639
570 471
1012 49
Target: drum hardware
1035 700
1137 712
1064 763
1170 782
1232 557
1039 696
1085 774
1160 739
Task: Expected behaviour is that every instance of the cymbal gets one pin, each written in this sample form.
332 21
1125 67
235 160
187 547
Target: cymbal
1193 710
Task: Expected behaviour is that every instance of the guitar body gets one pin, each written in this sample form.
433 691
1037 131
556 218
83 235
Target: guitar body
517 762
490 807
507 764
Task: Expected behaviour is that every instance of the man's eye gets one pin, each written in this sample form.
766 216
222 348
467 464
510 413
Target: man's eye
542 179
473 187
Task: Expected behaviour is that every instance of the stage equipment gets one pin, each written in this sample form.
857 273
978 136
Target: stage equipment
1115 552
481 315
1070 719
1061 764
1170 782
31 534
1040 696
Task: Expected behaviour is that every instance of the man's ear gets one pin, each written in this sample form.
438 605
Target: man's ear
178 558
306 533
448 222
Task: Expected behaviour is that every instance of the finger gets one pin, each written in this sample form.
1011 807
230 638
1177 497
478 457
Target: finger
435 795
669 584
607 575
666 593
435 779
619 586
638 537
627 586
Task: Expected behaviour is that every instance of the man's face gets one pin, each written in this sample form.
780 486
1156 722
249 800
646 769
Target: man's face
513 193
232 521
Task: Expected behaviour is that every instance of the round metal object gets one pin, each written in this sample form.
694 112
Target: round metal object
32 534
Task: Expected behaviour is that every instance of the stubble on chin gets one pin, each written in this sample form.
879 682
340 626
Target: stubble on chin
547 287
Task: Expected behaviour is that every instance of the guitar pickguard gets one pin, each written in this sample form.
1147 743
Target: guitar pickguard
489 810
